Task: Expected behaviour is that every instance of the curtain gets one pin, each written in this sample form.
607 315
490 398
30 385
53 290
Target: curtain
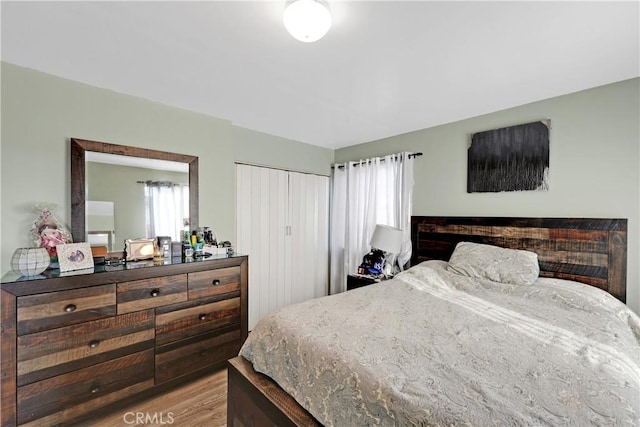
167 207
365 193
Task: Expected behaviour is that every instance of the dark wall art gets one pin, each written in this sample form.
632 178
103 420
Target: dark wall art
514 158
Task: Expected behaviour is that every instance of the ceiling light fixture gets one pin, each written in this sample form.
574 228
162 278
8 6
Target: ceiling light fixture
307 20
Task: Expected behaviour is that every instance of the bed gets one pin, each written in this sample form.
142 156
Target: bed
552 352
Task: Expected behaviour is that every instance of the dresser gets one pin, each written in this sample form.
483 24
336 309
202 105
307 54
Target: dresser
76 344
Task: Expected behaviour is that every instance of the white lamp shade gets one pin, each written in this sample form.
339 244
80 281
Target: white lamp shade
387 239
30 261
307 20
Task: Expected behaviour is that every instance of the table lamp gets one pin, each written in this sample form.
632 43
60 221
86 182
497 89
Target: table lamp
388 240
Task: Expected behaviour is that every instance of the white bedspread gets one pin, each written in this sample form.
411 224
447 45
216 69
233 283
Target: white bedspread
431 347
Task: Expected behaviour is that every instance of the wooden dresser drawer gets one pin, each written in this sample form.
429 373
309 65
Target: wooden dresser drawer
174 361
46 354
62 398
192 320
80 346
149 293
55 309
214 282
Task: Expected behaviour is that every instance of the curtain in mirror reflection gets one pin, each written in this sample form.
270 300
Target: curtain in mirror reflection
167 209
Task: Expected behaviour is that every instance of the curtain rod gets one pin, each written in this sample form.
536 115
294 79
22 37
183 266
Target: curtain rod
382 160
150 182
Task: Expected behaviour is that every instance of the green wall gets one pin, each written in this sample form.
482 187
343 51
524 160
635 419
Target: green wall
594 164
41 112
258 148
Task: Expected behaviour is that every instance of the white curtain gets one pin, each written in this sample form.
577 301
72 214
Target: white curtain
167 207
366 193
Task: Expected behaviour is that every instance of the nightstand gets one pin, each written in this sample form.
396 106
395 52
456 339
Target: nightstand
359 280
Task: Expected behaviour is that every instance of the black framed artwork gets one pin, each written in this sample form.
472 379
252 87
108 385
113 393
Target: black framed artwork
514 158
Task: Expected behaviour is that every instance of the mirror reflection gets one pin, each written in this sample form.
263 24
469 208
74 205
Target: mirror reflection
133 197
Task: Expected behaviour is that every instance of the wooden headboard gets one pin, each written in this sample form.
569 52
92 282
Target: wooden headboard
591 251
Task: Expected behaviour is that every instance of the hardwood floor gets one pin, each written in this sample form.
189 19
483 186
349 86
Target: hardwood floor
197 404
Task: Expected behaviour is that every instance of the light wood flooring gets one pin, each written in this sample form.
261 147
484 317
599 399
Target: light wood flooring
202 403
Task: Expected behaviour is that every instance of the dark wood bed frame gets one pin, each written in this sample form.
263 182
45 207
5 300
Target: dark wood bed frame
591 251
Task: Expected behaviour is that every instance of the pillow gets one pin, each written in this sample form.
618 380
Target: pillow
497 264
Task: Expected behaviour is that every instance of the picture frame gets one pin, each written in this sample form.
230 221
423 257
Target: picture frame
74 256
139 249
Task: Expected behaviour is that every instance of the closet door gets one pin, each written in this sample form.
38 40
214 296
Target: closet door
283 225
309 204
261 233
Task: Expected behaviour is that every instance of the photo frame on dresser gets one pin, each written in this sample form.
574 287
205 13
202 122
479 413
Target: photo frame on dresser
74 256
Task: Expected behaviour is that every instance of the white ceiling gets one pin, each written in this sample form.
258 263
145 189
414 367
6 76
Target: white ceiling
384 68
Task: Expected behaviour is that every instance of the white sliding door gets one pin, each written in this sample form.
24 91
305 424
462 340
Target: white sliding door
282 224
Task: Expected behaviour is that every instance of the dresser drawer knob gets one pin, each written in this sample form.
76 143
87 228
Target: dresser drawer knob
95 389
94 343
70 308
202 317
155 292
216 282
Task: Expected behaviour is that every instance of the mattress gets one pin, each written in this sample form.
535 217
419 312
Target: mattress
432 347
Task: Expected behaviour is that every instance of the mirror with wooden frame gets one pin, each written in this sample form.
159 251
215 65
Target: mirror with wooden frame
101 164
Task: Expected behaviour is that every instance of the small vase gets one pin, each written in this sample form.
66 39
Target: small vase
30 261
